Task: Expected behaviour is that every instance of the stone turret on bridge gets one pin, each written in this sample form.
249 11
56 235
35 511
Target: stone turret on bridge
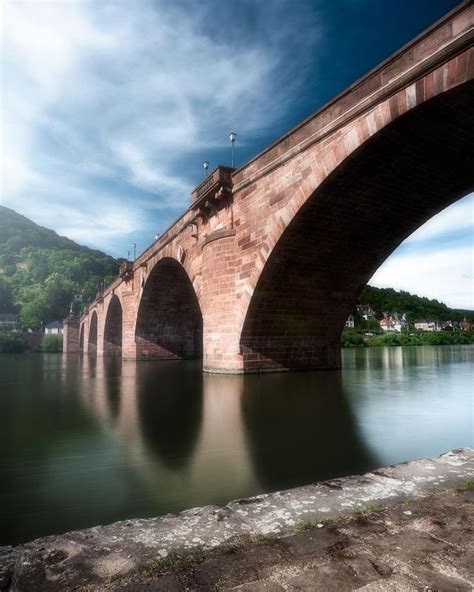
261 271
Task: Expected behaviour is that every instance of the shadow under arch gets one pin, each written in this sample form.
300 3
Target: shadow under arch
170 408
318 436
81 339
169 320
113 328
405 174
93 335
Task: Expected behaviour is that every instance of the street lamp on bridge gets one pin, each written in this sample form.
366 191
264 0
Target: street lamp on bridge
232 137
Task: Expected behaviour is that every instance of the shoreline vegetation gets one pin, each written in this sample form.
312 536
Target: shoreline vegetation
354 338
11 343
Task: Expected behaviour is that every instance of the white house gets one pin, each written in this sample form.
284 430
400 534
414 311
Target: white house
350 321
393 323
366 311
54 328
427 325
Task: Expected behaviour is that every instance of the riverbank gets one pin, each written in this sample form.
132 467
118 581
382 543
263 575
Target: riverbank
355 338
407 525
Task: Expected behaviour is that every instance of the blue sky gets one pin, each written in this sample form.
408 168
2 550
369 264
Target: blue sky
110 107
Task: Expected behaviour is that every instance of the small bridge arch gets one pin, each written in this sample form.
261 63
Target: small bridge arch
93 333
113 328
81 338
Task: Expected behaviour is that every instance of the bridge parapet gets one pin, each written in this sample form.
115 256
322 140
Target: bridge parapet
215 189
126 270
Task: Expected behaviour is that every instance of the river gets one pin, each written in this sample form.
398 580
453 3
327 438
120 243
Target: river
86 441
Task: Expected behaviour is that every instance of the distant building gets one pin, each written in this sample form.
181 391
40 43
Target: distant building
8 321
350 322
428 325
466 325
54 328
393 322
366 311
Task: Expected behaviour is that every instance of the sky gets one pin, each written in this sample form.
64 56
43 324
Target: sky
109 109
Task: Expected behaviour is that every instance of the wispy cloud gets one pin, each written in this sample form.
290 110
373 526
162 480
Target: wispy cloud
438 259
108 96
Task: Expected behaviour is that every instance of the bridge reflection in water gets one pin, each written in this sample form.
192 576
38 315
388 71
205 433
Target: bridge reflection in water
113 440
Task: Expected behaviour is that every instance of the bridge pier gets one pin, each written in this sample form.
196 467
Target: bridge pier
71 336
220 306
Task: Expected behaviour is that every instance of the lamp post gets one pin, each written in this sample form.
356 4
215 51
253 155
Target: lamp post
134 251
232 137
205 165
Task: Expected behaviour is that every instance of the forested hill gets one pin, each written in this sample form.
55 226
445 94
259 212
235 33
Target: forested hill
42 272
415 307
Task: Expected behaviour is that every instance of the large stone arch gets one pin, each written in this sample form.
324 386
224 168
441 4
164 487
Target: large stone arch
93 332
169 320
376 189
113 328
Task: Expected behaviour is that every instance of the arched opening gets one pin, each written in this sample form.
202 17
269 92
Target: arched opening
113 328
169 321
397 180
81 338
93 335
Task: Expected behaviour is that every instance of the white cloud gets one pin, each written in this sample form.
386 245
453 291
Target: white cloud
99 94
445 275
456 218
437 260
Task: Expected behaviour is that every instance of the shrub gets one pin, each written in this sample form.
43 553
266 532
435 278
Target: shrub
11 344
352 338
52 343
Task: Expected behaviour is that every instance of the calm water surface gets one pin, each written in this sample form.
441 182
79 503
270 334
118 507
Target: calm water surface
87 441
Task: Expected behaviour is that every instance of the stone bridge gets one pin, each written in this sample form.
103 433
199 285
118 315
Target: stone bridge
262 269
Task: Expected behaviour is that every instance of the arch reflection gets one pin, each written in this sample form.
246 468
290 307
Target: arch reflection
300 429
169 404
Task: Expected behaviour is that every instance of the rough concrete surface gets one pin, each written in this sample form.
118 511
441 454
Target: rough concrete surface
405 527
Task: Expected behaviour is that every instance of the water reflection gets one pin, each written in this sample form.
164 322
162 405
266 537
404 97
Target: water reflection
113 377
300 429
89 440
170 410
411 402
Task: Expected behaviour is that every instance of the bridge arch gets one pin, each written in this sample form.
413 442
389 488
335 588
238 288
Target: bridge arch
81 338
382 186
169 320
113 328
93 330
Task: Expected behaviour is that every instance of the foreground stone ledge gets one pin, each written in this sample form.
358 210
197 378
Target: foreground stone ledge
96 556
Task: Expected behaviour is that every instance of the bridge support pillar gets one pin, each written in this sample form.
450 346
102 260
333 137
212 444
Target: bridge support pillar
129 315
70 336
220 307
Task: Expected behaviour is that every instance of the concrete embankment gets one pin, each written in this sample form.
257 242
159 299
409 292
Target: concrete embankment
404 527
